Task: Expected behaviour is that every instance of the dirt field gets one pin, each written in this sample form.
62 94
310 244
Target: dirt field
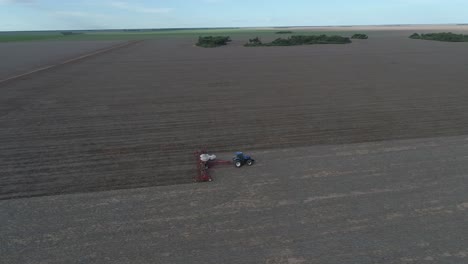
18 58
392 202
132 117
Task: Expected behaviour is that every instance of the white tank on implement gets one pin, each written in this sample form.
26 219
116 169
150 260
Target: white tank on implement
207 157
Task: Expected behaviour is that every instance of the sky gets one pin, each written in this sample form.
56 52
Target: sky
26 15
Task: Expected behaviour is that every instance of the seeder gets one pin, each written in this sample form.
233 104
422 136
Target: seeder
206 161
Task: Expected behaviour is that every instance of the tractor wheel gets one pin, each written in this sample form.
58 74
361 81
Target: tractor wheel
250 162
238 164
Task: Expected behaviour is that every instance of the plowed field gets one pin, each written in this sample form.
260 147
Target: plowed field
133 117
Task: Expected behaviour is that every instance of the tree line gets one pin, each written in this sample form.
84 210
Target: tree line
444 36
217 41
299 40
211 42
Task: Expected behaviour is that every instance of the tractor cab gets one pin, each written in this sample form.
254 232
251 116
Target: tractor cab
240 159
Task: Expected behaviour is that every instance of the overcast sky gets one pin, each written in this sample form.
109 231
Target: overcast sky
104 14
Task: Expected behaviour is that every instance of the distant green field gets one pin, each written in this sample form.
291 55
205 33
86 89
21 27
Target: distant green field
147 34
22 37
124 35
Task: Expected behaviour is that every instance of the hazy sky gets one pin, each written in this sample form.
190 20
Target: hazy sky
101 14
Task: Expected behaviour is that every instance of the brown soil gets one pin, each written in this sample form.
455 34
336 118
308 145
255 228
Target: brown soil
132 117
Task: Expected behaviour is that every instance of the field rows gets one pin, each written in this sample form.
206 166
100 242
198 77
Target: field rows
133 117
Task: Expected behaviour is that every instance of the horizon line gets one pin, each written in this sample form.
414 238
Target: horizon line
249 27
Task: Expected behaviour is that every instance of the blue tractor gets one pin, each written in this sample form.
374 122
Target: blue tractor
241 159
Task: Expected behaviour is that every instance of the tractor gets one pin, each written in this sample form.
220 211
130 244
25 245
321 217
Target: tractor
206 161
240 159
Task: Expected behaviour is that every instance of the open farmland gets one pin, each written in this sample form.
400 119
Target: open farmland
361 152
132 117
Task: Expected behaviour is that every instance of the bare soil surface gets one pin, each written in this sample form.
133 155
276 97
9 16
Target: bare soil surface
133 117
395 202
21 57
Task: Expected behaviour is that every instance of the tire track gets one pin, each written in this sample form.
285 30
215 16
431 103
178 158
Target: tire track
77 59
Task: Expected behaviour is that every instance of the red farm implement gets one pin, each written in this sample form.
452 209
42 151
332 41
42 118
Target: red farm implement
206 161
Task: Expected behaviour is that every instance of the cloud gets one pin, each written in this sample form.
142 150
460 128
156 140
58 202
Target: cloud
17 1
212 1
140 9
78 14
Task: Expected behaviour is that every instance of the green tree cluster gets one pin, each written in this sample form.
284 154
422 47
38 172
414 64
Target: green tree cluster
255 42
212 42
415 36
300 40
360 36
444 36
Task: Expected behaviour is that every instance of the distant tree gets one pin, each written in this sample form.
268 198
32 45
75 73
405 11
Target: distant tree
284 32
360 36
444 36
255 42
212 42
415 36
